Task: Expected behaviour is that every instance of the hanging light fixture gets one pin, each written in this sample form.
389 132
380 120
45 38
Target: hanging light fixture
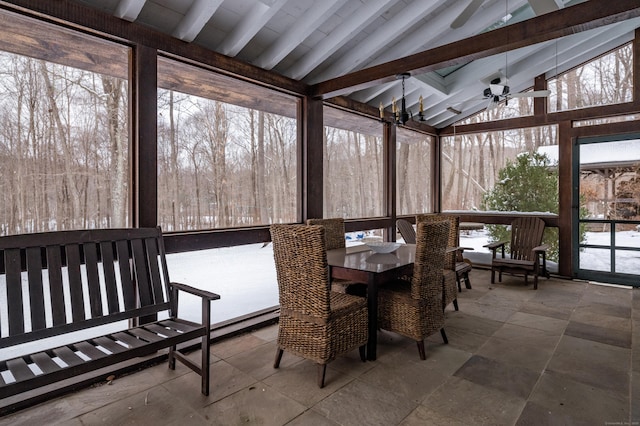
402 115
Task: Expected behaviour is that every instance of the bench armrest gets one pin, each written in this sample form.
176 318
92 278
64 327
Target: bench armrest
541 248
495 245
196 291
206 296
494 248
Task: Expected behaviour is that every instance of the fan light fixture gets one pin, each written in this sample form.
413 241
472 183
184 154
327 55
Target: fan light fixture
402 115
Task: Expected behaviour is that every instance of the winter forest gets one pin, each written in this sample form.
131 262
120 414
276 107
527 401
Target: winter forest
66 161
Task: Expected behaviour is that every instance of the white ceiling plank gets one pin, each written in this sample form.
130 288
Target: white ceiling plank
569 53
129 9
540 7
196 18
309 22
378 41
351 26
248 27
439 33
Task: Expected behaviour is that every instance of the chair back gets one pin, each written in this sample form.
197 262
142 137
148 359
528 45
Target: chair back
302 271
406 230
333 231
526 233
431 244
453 238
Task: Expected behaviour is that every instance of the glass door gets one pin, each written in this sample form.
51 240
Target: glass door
606 209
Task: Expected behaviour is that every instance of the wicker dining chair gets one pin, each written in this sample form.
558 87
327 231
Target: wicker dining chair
315 323
334 238
462 266
414 309
449 276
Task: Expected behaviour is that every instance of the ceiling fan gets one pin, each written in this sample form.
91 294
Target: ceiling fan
540 7
498 91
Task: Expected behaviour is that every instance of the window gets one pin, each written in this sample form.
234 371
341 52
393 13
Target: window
414 152
471 164
353 165
245 279
606 80
227 151
64 144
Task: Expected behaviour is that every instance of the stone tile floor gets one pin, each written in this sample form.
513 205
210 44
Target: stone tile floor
568 353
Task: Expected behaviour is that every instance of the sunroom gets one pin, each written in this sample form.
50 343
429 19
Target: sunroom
212 121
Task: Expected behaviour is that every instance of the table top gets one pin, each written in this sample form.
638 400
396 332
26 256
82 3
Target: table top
362 258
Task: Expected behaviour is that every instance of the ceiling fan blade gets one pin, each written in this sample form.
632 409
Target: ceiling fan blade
540 7
492 104
534 94
466 13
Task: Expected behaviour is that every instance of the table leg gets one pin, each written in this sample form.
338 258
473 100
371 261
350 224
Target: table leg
372 305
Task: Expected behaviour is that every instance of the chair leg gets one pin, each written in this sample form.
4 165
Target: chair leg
276 363
467 281
455 304
363 354
458 281
322 370
535 281
423 356
444 336
205 366
172 358
493 276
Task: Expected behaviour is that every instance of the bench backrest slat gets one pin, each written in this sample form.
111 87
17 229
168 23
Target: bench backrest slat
14 291
128 292
56 287
69 280
106 249
93 280
154 269
36 291
140 265
75 282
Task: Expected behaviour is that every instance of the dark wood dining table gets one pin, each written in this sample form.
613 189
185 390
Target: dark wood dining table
360 264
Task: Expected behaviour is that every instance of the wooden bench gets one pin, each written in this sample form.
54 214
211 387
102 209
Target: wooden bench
57 283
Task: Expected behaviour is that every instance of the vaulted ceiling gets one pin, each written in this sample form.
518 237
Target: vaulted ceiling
317 41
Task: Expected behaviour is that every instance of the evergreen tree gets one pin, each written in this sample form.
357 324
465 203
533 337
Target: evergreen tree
527 184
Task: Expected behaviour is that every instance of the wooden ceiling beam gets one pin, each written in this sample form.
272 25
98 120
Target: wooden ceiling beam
571 20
